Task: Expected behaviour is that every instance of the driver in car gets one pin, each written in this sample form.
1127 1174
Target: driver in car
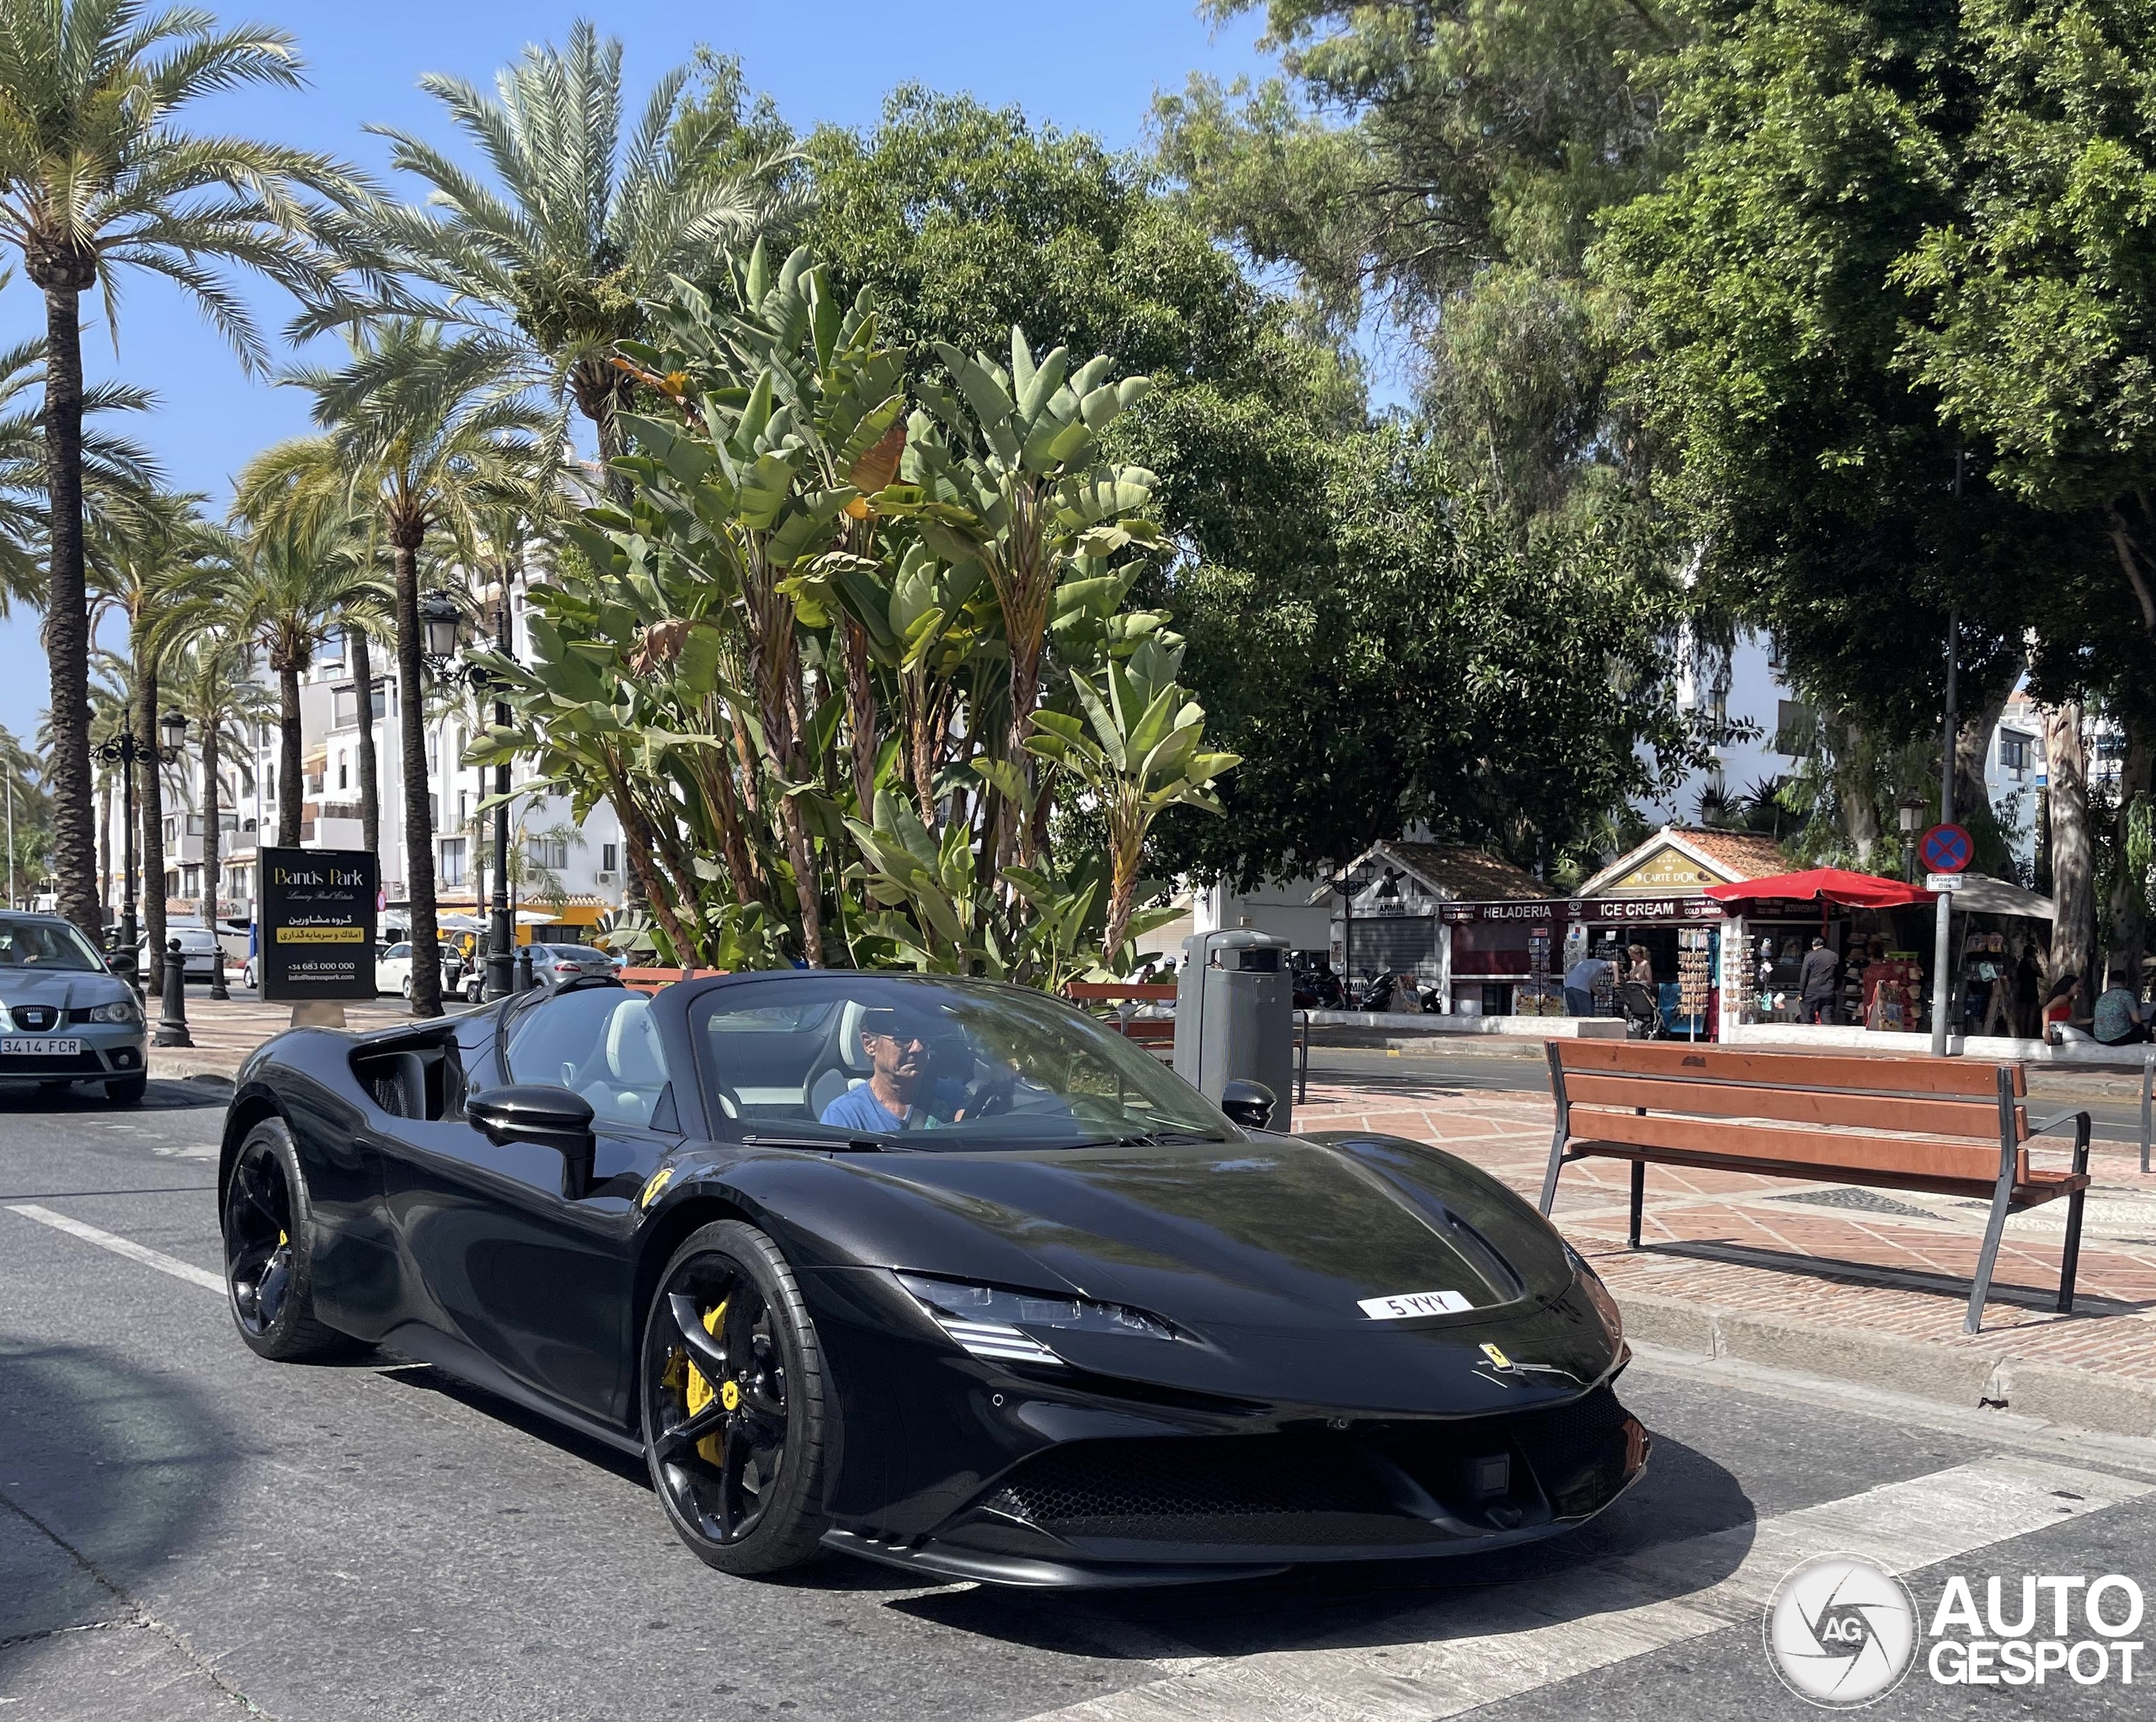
902 1092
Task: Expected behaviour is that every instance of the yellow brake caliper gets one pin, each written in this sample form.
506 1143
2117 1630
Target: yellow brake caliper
698 1392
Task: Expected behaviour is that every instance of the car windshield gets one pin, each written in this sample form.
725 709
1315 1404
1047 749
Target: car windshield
931 1064
41 944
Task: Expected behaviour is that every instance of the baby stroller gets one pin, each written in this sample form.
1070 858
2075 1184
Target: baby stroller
1641 1011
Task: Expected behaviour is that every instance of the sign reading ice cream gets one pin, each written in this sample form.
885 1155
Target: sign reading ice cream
317 928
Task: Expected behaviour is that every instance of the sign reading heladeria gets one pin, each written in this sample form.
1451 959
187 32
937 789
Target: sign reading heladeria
317 937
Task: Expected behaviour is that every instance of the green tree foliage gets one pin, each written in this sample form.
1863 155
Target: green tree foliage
1431 663
1769 307
806 661
2034 289
1451 159
1325 655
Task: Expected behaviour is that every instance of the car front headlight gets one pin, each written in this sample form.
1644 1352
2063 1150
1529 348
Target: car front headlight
1597 1294
988 1321
119 1010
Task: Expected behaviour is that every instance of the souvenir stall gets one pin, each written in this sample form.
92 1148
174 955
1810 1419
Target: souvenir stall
1649 913
1769 927
1996 926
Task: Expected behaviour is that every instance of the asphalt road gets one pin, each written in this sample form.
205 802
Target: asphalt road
187 1532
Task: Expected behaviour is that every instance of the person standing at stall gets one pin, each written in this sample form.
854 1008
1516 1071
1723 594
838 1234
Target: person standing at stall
1819 982
1581 980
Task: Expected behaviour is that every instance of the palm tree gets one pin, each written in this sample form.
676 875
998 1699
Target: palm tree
114 467
111 707
297 492
294 574
25 814
94 175
427 427
147 564
560 255
214 685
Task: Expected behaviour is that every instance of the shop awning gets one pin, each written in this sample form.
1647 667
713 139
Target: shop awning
1823 885
1981 895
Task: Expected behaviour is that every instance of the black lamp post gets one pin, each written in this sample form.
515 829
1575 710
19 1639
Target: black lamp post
1910 812
443 623
124 750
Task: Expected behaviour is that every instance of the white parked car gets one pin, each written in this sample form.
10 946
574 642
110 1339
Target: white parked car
393 972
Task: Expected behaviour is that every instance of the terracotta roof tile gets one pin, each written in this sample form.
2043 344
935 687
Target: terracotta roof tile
1748 854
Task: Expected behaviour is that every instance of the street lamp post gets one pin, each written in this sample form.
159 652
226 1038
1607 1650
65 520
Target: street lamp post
443 623
124 750
1910 812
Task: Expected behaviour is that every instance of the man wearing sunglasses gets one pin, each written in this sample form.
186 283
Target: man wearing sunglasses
902 1092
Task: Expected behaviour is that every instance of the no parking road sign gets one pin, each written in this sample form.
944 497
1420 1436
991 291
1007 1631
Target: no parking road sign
1945 849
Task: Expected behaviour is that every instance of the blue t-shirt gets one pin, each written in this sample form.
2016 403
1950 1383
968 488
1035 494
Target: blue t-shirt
858 1109
2117 1014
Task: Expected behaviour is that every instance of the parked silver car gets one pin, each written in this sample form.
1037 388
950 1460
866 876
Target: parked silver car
67 1018
198 949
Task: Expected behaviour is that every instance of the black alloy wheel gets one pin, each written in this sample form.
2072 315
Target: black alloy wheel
732 1396
268 1231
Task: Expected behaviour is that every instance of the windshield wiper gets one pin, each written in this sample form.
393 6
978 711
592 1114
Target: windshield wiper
1161 1138
821 1145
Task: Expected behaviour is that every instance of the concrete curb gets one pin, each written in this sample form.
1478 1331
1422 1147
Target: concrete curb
177 1064
1964 1379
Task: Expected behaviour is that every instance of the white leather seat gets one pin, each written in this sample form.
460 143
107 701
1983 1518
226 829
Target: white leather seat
636 1069
853 1067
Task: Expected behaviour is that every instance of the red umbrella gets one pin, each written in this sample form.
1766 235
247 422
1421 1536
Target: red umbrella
1827 885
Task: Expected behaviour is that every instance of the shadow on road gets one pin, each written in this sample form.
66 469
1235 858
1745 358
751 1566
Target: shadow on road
1684 1495
124 1468
188 1094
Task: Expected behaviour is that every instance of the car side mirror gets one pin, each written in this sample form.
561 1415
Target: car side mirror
1249 1104
553 1117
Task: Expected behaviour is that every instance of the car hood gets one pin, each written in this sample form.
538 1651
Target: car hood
1273 1234
65 988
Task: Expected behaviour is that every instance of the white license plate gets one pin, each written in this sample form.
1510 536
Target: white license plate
1404 1306
43 1046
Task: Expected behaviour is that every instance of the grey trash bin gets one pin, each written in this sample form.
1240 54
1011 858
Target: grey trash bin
1235 1016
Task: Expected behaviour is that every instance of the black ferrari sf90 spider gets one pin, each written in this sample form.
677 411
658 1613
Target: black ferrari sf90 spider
938 1273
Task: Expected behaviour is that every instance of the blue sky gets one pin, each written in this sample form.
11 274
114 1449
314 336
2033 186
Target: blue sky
1093 67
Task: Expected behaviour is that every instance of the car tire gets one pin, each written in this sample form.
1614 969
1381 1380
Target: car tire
270 1237
53 1090
405 986
741 1483
125 1090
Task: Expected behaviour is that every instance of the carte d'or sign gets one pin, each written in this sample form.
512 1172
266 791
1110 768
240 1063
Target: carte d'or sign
1667 870
317 934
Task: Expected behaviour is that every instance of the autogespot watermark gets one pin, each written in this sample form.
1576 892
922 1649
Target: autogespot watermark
1843 1633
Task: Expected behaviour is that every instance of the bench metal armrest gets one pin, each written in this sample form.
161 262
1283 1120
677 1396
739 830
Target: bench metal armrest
2081 1129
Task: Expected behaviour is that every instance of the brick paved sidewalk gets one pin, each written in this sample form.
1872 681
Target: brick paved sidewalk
1838 1270
225 1031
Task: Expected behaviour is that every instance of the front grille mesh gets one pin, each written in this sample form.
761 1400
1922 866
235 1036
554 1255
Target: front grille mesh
1311 1489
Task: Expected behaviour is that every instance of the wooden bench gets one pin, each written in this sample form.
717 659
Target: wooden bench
1945 1126
1156 1034
650 980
